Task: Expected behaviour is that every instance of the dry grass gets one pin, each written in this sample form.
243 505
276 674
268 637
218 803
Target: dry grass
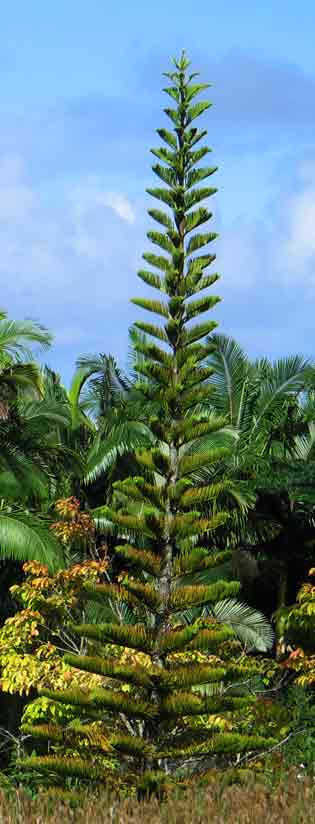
293 803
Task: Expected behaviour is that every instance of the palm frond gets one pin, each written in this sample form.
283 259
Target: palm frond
97 384
24 537
52 412
305 444
18 337
280 380
250 625
110 612
230 379
21 376
123 438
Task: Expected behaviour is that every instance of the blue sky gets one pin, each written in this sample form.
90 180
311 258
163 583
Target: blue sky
80 101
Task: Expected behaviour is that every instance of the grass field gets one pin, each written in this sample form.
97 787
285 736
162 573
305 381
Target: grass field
292 802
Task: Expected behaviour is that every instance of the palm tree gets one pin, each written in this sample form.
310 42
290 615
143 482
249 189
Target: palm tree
257 397
98 381
18 371
273 417
25 469
105 404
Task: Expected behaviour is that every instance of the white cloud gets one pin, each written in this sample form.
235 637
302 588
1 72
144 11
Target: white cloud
293 248
295 255
69 253
121 205
17 198
279 249
91 193
50 239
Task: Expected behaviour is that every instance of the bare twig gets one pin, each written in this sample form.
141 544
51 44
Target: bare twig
273 748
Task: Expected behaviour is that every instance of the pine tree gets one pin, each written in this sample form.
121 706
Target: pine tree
173 677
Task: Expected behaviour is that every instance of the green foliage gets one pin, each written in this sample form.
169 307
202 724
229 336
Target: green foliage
296 626
299 750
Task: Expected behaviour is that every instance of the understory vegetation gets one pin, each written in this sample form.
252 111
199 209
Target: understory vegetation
157 548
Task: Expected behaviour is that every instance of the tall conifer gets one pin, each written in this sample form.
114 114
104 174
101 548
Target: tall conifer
145 714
